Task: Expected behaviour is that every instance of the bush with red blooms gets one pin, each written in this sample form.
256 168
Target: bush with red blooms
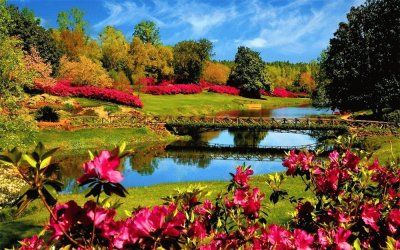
282 92
174 89
356 204
64 88
224 90
147 81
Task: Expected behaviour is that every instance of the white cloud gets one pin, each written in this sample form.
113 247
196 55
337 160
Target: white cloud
255 43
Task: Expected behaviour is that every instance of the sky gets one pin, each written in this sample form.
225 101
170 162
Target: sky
281 30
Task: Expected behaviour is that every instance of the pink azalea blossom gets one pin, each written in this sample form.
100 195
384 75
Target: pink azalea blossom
33 243
341 236
103 167
303 240
370 215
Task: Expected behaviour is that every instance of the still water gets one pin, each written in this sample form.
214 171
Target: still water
155 164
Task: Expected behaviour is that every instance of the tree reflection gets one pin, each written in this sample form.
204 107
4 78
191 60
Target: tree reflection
246 138
144 160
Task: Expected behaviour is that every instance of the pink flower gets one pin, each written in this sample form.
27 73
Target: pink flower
370 215
66 216
279 237
291 163
351 161
322 238
394 220
198 230
303 240
102 167
341 236
33 243
242 176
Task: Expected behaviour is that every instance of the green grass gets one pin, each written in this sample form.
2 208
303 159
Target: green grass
33 220
209 103
95 138
386 148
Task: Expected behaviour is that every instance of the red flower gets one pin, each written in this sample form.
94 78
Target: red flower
303 240
224 90
33 243
102 167
242 176
66 216
279 237
198 230
370 215
291 163
351 161
394 220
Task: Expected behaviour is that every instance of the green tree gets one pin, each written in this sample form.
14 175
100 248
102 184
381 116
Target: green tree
114 48
248 73
190 58
72 20
28 30
363 59
147 32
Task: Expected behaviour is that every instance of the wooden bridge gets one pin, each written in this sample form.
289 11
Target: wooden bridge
215 122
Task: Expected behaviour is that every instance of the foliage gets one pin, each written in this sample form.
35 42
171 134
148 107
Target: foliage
120 81
189 59
46 114
71 20
247 74
224 90
392 116
114 49
363 71
43 70
174 89
147 32
10 186
14 75
5 19
27 28
215 72
84 72
16 131
64 88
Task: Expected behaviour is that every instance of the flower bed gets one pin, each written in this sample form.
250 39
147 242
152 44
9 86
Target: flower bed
355 204
186 89
224 90
63 88
282 92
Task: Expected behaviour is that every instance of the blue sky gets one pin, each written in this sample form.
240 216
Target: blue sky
284 30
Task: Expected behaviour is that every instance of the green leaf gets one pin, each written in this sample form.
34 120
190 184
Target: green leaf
49 153
357 244
122 147
30 160
91 156
6 159
51 190
45 162
219 223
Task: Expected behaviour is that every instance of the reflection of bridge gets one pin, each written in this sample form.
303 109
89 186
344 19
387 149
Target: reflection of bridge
222 151
215 122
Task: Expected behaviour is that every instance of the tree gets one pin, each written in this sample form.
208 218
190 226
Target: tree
42 70
28 30
363 59
84 72
114 48
189 59
147 32
72 20
215 73
248 73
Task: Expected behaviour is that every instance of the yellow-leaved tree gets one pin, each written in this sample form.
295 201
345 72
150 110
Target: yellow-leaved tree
215 73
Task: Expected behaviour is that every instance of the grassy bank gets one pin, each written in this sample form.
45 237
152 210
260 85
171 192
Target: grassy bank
386 148
209 103
33 220
99 138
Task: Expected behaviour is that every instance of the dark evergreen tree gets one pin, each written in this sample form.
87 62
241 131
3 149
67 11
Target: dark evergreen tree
248 73
363 59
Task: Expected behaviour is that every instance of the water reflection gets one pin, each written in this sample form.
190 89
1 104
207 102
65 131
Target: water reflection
288 112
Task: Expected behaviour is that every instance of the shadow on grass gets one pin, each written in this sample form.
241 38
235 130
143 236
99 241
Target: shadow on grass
12 232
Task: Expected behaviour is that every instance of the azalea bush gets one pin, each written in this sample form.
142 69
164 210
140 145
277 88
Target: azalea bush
356 205
282 92
64 88
174 89
224 90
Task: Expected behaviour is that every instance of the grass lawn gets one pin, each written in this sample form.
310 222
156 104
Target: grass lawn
209 103
33 220
386 148
99 138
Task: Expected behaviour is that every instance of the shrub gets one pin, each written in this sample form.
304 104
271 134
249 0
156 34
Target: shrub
84 72
224 90
215 72
282 92
46 114
392 116
63 88
174 89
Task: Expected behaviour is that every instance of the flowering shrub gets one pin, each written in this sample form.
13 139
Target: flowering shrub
282 92
147 81
174 89
224 90
64 88
356 205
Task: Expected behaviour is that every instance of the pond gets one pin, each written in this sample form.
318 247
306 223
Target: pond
156 164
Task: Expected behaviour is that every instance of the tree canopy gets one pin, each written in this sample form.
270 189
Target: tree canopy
189 59
248 73
363 59
147 32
